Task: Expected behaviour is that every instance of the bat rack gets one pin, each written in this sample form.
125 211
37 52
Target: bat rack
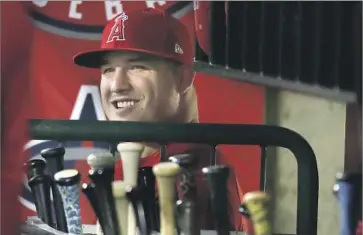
202 133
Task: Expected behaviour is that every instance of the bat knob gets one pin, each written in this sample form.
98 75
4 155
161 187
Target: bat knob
218 172
53 152
130 147
101 160
35 167
67 177
244 211
183 160
165 169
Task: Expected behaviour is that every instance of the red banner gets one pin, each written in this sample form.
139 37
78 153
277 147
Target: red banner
39 80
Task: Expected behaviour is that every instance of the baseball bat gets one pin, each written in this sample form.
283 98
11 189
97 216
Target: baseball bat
166 173
90 191
257 206
146 181
68 185
217 178
130 154
121 204
348 191
101 160
34 167
134 195
54 158
102 179
40 187
187 207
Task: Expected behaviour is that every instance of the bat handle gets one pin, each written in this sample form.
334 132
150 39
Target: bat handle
40 187
166 173
90 191
146 181
106 204
121 205
134 195
257 206
68 185
217 178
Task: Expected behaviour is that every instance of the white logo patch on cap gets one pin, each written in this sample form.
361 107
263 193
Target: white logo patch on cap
178 49
117 31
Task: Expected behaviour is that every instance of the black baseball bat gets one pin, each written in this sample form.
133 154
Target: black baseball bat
146 182
54 158
217 178
90 191
134 195
40 187
348 189
102 179
34 167
187 206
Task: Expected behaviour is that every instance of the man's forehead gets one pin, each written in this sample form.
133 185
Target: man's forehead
128 56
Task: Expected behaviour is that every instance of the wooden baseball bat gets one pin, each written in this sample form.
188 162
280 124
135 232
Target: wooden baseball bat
121 204
102 178
187 206
217 179
166 173
146 181
54 158
90 191
68 186
135 196
348 189
97 161
130 154
257 206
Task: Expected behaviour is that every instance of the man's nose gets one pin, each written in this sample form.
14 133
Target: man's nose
120 81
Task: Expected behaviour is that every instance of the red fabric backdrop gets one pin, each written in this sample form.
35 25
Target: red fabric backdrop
39 80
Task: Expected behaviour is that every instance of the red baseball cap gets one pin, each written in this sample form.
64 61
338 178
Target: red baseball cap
149 31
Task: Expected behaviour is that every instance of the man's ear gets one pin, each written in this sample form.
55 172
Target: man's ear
186 78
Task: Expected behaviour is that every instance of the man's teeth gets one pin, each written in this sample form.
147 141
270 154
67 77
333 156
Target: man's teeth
125 104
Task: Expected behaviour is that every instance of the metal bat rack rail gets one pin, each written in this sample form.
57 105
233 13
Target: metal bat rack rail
212 134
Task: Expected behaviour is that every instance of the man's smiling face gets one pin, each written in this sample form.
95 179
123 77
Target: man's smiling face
139 87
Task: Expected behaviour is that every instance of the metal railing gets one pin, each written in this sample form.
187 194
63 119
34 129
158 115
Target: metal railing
212 134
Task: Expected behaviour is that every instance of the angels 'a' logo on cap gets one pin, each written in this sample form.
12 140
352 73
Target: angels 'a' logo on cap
118 29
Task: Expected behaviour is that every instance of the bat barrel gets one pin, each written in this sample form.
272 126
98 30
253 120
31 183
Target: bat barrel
121 205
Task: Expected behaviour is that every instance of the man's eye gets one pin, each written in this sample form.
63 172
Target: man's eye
138 67
107 70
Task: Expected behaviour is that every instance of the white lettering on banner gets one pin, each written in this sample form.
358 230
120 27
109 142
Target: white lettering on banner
40 3
73 13
113 8
151 4
84 91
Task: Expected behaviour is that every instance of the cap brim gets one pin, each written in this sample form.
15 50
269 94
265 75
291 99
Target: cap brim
91 59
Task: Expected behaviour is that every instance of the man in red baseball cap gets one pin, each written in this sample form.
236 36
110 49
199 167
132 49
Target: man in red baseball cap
146 60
